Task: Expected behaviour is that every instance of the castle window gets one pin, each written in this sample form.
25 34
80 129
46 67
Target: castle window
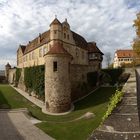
40 52
64 35
68 37
45 49
49 46
32 55
54 66
26 57
83 54
77 52
55 31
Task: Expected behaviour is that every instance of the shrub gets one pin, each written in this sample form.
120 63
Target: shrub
105 78
123 78
114 74
114 100
92 78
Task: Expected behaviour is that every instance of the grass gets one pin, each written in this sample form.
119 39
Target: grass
62 127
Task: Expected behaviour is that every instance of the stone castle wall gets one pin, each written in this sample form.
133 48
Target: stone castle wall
77 74
11 75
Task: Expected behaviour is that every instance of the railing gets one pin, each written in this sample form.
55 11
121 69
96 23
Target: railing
138 90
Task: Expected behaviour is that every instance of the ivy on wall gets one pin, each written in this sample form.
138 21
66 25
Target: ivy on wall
34 80
18 74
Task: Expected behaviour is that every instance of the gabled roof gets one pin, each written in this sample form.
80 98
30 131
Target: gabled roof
23 47
8 65
55 21
80 41
92 48
125 53
44 38
57 48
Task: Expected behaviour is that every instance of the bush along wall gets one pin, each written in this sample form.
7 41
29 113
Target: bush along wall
114 74
34 80
92 78
18 74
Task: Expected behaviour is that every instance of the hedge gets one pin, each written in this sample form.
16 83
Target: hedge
34 80
92 78
114 74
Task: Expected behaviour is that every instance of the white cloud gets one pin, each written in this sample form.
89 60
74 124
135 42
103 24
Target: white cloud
108 22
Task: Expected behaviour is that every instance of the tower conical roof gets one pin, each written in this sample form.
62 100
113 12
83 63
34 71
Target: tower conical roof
57 48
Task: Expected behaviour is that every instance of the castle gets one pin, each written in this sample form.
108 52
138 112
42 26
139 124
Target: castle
67 57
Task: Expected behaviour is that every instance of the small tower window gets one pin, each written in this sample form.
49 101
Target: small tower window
54 66
55 31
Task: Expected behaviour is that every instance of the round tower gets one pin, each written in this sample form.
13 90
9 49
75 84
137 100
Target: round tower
7 67
57 82
55 30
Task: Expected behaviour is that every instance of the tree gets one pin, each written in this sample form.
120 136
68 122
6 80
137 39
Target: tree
136 42
108 58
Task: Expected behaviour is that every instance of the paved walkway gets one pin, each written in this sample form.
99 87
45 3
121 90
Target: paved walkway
14 125
123 124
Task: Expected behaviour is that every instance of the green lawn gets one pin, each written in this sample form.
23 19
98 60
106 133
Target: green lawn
60 127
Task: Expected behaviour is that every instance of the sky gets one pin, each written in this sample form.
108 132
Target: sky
107 22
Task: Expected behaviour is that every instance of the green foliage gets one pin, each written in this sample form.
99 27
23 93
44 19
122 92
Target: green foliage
34 80
114 74
114 100
123 78
18 74
92 78
105 78
136 42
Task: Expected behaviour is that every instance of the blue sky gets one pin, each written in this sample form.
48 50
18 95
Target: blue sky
108 22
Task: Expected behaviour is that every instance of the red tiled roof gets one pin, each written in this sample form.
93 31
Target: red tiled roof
57 48
44 38
80 41
92 47
125 53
